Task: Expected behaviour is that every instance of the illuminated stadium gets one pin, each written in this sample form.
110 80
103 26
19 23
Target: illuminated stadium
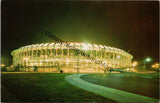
53 57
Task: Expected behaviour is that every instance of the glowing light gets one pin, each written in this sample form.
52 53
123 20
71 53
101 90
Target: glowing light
153 66
110 65
71 44
156 65
2 65
135 63
45 44
118 57
31 64
101 46
40 64
95 57
84 46
106 47
67 63
40 45
110 47
35 45
11 66
51 44
25 58
77 44
95 45
148 59
90 45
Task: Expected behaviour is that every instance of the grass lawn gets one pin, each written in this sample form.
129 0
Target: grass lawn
43 87
143 84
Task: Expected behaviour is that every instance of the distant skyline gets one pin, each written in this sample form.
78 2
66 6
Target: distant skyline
128 25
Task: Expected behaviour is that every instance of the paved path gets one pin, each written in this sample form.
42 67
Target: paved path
114 94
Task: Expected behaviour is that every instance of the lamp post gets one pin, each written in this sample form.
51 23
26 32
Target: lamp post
146 60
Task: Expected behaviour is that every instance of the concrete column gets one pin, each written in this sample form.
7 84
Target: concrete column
68 51
41 50
101 53
22 57
32 51
122 60
91 52
29 54
26 52
62 52
18 57
114 59
50 51
109 54
96 54
36 52
125 60
104 54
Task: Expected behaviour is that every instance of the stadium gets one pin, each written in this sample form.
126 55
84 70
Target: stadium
53 57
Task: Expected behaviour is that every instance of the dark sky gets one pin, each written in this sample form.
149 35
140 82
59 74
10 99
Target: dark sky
126 25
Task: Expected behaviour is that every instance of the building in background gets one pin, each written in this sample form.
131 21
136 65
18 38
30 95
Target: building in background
53 57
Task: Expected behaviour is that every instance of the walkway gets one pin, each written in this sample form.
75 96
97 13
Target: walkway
114 94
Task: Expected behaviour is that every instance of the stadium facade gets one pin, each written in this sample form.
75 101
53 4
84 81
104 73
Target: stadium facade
53 57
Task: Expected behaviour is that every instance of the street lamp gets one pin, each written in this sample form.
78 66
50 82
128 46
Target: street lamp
146 60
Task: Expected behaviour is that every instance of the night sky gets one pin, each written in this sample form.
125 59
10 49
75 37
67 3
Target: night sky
132 26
